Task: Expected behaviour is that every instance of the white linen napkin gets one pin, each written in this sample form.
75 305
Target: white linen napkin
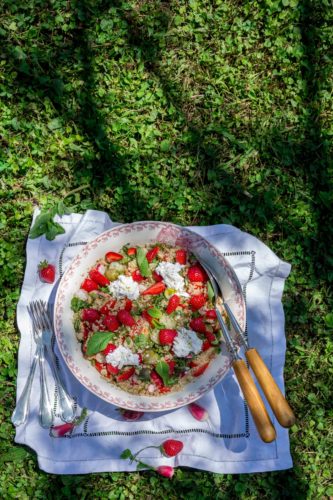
228 441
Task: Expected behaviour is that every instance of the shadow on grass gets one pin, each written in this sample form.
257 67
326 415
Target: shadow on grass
308 159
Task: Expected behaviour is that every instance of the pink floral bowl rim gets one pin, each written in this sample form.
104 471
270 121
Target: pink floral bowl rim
139 233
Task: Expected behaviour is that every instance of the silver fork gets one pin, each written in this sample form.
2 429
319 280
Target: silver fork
21 411
66 403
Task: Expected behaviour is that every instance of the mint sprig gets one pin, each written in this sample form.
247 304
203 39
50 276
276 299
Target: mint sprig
44 223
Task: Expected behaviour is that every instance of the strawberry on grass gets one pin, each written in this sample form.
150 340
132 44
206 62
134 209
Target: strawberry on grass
46 272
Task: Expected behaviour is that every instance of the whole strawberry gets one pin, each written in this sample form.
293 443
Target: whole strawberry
198 325
46 272
171 447
197 301
196 273
167 336
125 318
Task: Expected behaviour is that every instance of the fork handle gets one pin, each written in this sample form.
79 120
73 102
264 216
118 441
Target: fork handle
274 396
20 413
45 407
255 403
66 405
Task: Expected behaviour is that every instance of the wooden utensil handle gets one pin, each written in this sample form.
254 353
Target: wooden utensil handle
254 402
274 396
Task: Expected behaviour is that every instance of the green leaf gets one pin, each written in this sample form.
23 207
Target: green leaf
329 320
126 454
140 341
143 263
53 229
98 342
154 312
78 304
14 455
142 465
40 225
162 368
210 290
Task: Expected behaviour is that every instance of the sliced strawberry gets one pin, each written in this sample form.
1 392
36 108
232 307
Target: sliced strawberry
157 277
167 336
107 306
173 303
151 254
113 256
125 375
113 370
99 366
131 251
211 314
125 318
90 315
198 325
156 379
164 389
109 348
137 276
210 336
206 345
98 277
181 256
128 305
196 273
111 323
172 365
89 285
46 272
197 301
199 371
155 289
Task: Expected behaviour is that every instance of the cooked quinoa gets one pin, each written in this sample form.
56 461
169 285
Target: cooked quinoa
145 319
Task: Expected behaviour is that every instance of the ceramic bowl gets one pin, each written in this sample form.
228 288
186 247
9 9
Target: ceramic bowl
141 233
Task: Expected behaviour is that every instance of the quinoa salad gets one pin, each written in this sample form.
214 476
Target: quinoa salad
145 319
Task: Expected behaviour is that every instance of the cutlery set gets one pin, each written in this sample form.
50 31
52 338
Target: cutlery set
274 396
43 337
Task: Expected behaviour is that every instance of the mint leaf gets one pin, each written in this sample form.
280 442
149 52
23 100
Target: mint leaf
40 225
126 454
210 291
154 312
53 229
143 263
78 304
98 342
162 368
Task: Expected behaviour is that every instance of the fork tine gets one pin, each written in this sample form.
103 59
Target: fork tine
44 315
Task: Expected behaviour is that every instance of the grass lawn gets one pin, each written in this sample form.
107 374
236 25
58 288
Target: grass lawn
195 112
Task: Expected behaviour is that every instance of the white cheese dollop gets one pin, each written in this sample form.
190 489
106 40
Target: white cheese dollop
122 356
186 342
124 286
82 294
171 276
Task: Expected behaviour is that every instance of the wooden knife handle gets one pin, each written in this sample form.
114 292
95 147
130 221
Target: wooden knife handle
274 396
254 402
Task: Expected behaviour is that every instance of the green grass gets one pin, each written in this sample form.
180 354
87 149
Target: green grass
195 112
